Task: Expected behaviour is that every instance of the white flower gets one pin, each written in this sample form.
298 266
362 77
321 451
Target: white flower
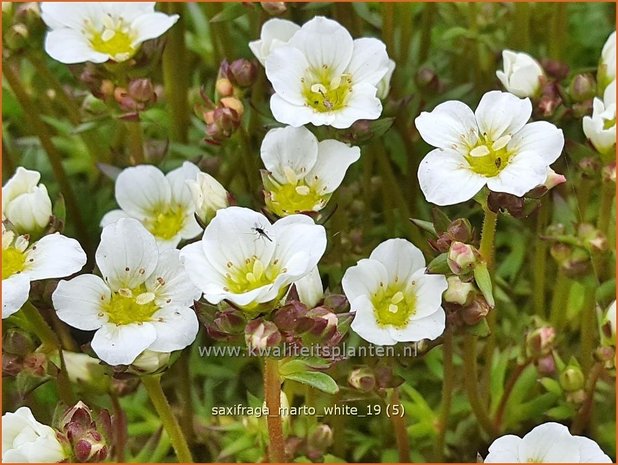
494 146
52 256
547 443
384 86
324 77
607 66
521 75
246 260
25 440
162 203
392 297
275 33
141 303
208 196
100 31
25 202
310 289
600 128
302 172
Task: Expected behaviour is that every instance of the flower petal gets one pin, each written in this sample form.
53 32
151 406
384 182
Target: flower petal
502 113
79 302
365 325
198 268
589 451
181 194
285 67
450 125
113 216
524 172
505 449
15 290
176 328
369 62
121 344
362 104
428 289
152 25
69 46
170 282
363 278
550 442
429 327
446 178
333 160
400 258
543 139
127 254
54 256
289 148
141 190
296 114
275 32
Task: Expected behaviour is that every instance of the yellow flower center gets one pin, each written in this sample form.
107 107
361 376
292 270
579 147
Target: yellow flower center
131 306
13 262
488 158
288 199
251 275
393 306
166 224
323 91
115 39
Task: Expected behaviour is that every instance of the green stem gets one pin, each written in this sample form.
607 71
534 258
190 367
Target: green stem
540 259
508 389
184 393
488 235
32 115
588 330
388 27
399 427
40 327
557 31
120 429
162 406
585 412
562 289
136 142
426 28
272 394
176 75
447 394
471 385
521 26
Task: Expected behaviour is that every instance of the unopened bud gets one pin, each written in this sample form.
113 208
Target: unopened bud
540 341
592 239
459 292
583 87
546 365
87 435
460 230
427 79
143 91
319 440
576 397
243 72
17 342
555 69
260 334
501 201
224 87
16 37
608 174
476 311
209 196
274 8
462 258
362 379
151 362
234 104
572 379
222 123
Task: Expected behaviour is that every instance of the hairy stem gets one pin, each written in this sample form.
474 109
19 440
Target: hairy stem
272 393
399 427
508 389
540 259
588 330
585 412
170 424
447 394
136 142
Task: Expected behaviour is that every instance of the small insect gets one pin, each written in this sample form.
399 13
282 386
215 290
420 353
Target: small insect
327 103
498 162
260 232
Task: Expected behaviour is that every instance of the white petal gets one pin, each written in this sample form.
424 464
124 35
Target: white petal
362 104
589 451
141 190
152 25
550 442
113 216
524 172
429 327
285 67
15 291
428 289
400 258
365 325
543 139
79 302
29 211
69 46
369 61
299 247
450 125
201 273
310 288
363 278
178 183
121 344
505 449
68 14
293 114
502 113
54 256
275 32
289 148
127 254
324 43
170 282
176 328
334 159
446 178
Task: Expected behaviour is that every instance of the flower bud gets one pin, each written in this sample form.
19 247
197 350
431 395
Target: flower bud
260 334
230 321
25 202
546 365
540 341
243 72
462 258
608 174
17 342
224 87
319 440
608 327
501 201
606 72
459 292
16 37
576 397
338 303
583 87
208 196
572 379
384 86
476 311
555 69
592 239
427 79
142 91
521 75
87 435
85 370
460 230
234 104
362 379
274 8
150 362
310 289
221 124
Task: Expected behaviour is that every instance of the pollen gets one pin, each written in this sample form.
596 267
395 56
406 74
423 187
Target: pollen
394 306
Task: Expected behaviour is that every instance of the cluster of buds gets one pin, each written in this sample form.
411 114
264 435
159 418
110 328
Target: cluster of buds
222 119
138 96
458 230
85 434
572 252
226 324
374 378
582 90
550 97
22 26
313 446
237 75
540 342
572 381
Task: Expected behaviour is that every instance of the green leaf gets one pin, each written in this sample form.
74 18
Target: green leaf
483 281
481 329
551 385
439 264
230 12
561 412
424 225
440 220
316 379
